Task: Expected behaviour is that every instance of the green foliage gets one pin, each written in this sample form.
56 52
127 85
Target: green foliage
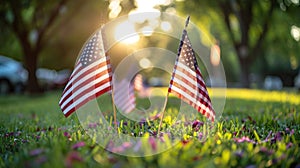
258 128
247 20
62 40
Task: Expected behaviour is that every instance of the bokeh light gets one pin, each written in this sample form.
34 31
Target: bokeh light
126 33
295 32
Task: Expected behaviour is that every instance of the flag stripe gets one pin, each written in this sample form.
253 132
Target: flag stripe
90 94
90 78
193 93
80 70
193 102
124 97
83 81
187 82
186 79
186 71
92 84
206 111
71 110
88 72
186 85
83 73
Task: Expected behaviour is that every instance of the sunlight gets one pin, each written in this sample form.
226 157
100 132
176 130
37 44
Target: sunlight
165 26
141 15
295 32
147 31
115 8
146 4
295 1
146 12
126 33
215 55
145 63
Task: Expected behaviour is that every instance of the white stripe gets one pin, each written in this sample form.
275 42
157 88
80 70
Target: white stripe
185 76
187 96
69 82
85 78
191 89
126 107
101 60
101 54
80 73
123 96
82 89
179 64
81 99
183 66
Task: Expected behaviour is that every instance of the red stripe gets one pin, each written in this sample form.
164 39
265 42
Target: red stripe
201 82
90 89
87 100
70 112
195 106
91 70
201 100
124 99
192 85
82 67
197 95
92 78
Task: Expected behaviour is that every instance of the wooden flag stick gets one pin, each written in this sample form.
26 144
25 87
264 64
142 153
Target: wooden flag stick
166 100
163 113
114 108
187 22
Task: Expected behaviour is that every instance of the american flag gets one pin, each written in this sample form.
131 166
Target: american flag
124 97
90 78
138 82
187 82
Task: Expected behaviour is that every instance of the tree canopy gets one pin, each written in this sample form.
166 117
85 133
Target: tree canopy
249 28
40 31
255 36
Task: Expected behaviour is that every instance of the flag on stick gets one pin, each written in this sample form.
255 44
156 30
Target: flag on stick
90 78
124 97
138 83
187 82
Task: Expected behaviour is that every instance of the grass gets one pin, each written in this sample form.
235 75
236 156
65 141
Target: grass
257 129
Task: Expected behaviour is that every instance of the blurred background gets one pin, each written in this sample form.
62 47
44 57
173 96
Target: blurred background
257 41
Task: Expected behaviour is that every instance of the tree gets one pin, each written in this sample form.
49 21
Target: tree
29 20
247 23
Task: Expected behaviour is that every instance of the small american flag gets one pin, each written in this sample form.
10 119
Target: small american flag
124 97
187 82
90 78
138 83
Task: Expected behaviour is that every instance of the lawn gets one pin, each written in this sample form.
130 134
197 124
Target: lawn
257 129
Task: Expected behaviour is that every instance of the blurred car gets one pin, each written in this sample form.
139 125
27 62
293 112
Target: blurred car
273 83
297 81
156 82
52 79
13 76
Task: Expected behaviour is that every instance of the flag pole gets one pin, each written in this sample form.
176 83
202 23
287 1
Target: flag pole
114 107
163 113
187 22
112 86
166 100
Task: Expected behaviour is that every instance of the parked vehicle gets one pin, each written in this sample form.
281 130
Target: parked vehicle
273 83
52 79
13 76
297 81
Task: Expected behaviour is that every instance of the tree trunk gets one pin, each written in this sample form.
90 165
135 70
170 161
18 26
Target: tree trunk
31 65
244 74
